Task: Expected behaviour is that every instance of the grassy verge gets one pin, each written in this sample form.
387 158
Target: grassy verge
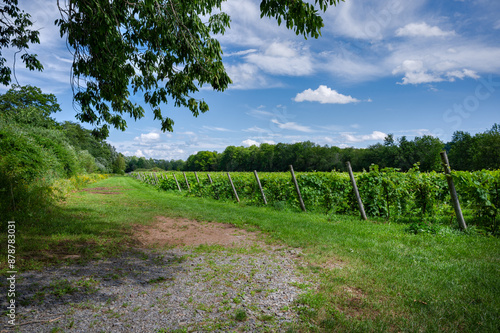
373 276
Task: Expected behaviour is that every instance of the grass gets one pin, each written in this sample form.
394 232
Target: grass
373 275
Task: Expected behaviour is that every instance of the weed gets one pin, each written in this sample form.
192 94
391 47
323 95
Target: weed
240 315
266 317
61 288
157 280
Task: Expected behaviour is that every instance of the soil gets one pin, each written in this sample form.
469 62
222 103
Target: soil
104 190
166 231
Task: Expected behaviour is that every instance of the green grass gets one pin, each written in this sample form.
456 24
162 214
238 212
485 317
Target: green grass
374 276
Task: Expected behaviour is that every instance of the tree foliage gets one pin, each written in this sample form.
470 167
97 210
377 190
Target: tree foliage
15 33
481 151
36 152
163 49
28 105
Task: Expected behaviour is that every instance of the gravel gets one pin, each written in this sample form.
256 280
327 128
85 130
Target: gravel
190 289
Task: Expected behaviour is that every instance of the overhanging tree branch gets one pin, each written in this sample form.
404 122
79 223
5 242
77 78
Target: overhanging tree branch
160 48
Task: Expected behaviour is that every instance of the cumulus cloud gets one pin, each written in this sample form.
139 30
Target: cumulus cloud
149 137
415 72
374 136
324 95
250 142
138 153
292 126
423 30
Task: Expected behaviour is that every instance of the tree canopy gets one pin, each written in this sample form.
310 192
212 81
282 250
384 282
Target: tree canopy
15 33
162 49
28 105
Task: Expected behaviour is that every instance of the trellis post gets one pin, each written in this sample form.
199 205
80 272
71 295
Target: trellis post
453 191
234 189
260 187
178 186
358 197
297 189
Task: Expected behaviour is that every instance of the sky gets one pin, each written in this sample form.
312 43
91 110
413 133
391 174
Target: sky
409 68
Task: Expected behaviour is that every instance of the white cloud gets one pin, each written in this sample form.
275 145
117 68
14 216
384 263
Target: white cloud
218 129
248 28
374 136
248 76
352 67
250 142
292 126
415 73
260 114
324 95
370 20
462 74
283 58
422 29
139 153
240 53
147 138
255 129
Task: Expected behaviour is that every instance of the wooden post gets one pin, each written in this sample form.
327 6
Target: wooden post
211 183
196 175
453 192
358 197
178 186
297 189
187 183
234 189
260 187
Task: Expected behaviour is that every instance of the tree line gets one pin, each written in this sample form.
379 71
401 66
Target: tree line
465 151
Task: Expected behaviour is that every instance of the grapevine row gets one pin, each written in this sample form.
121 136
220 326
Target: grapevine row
385 193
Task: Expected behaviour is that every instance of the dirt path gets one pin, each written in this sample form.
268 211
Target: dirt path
167 231
171 284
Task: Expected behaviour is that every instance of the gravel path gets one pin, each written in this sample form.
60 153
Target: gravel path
184 289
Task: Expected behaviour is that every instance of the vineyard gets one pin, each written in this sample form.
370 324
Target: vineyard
415 197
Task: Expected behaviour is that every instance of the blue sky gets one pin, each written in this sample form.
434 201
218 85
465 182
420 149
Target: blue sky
409 68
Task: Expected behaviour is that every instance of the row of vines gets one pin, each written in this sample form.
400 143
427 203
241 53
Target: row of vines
385 193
